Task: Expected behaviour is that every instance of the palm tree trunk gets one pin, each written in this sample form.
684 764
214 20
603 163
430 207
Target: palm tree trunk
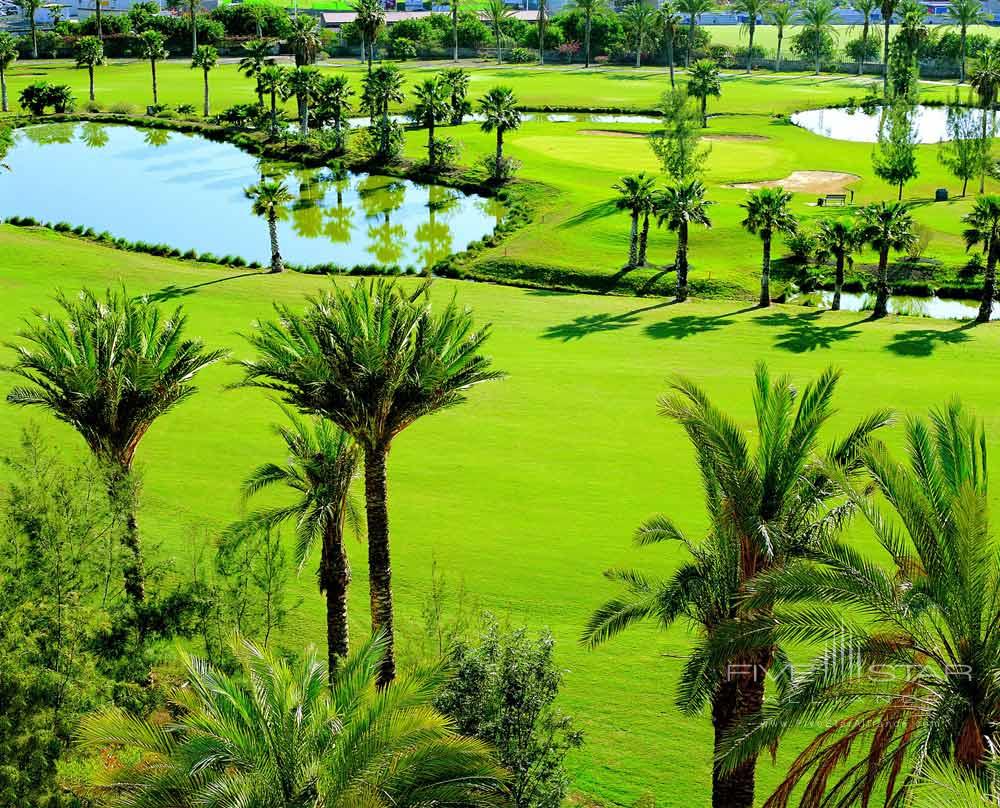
499 51
97 13
3 91
765 272
899 196
670 59
882 290
885 57
864 41
982 167
260 92
838 282
34 37
989 287
277 265
638 51
454 29
586 42
379 569
961 64
777 55
152 67
750 47
194 28
633 241
334 580
303 114
431 156
499 157
681 262
90 71
274 112
122 494
704 112
690 42
207 106
541 42
965 185
643 239
741 695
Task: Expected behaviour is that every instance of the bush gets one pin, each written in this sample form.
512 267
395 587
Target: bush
507 169
36 97
868 50
807 45
122 108
402 49
521 56
243 116
382 142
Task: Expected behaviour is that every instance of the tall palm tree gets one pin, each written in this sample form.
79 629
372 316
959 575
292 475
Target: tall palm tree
454 6
885 226
8 55
258 54
274 734
983 227
589 9
887 9
767 508
206 57
865 8
496 13
704 81
303 39
542 22
271 199
373 359
780 15
457 79
109 367
638 20
840 238
679 206
370 21
192 7
913 651
272 81
89 53
668 21
30 9
694 9
321 467
151 46
302 83
433 105
817 18
985 80
635 194
962 14
500 115
767 214
753 9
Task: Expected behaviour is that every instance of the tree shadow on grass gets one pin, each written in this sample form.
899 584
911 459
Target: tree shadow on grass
689 325
803 333
586 324
599 210
923 341
173 292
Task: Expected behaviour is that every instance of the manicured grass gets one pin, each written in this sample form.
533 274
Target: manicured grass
531 489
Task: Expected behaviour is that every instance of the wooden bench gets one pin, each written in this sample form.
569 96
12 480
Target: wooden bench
830 199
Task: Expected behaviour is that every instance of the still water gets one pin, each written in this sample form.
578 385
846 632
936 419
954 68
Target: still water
937 308
930 123
165 187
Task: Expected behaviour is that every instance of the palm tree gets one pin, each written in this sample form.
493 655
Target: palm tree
885 226
206 57
274 734
192 7
983 227
303 83
454 5
694 9
500 115
457 79
589 9
985 80
370 21
151 47
865 9
635 194
913 644
781 16
8 55
258 53
109 368
703 82
753 9
321 468
887 8
30 8
270 201
303 39
767 213
373 359
638 18
542 22
89 53
840 238
962 14
669 23
496 13
817 18
381 88
433 97
766 510
272 81
679 206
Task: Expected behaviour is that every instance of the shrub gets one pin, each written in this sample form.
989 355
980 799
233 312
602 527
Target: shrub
185 109
36 97
499 174
122 108
242 116
402 49
521 56
868 50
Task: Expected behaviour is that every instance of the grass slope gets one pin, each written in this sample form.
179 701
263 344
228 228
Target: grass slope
531 489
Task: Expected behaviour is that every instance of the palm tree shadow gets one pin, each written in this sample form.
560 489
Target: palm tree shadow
689 325
586 324
923 342
599 210
803 333
173 292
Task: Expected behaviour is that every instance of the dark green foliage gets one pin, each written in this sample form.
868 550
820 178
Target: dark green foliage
38 96
808 44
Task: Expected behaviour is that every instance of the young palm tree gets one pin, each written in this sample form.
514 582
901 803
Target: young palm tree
638 20
270 201
151 47
206 57
333 104
258 53
321 468
885 226
381 88
780 15
679 206
89 53
542 22
8 55
694 9
433 105
767 214
373 359
840 238
370 21
983 227
753 9
635 194
275 734
109 368
457 79
589 9
668 21
865 8
703 81
914 652
962 14
985 80
272 80
302 83
887 8
500 115
817 18
767 508
303 39
30 9
496 13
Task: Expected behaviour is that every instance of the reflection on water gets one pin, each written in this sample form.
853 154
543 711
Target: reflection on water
861 126
937 308
160 186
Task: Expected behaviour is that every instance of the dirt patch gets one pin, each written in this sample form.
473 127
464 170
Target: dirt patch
610 133
814 182
738 138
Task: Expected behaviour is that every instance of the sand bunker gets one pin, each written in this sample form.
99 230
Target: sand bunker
738 138
814 182
610 133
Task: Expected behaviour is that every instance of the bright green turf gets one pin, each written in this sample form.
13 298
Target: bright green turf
533 487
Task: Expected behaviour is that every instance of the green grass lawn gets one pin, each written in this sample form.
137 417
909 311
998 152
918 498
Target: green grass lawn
531 489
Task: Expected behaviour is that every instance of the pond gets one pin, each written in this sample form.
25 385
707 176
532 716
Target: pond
937 308
860 126
165 187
